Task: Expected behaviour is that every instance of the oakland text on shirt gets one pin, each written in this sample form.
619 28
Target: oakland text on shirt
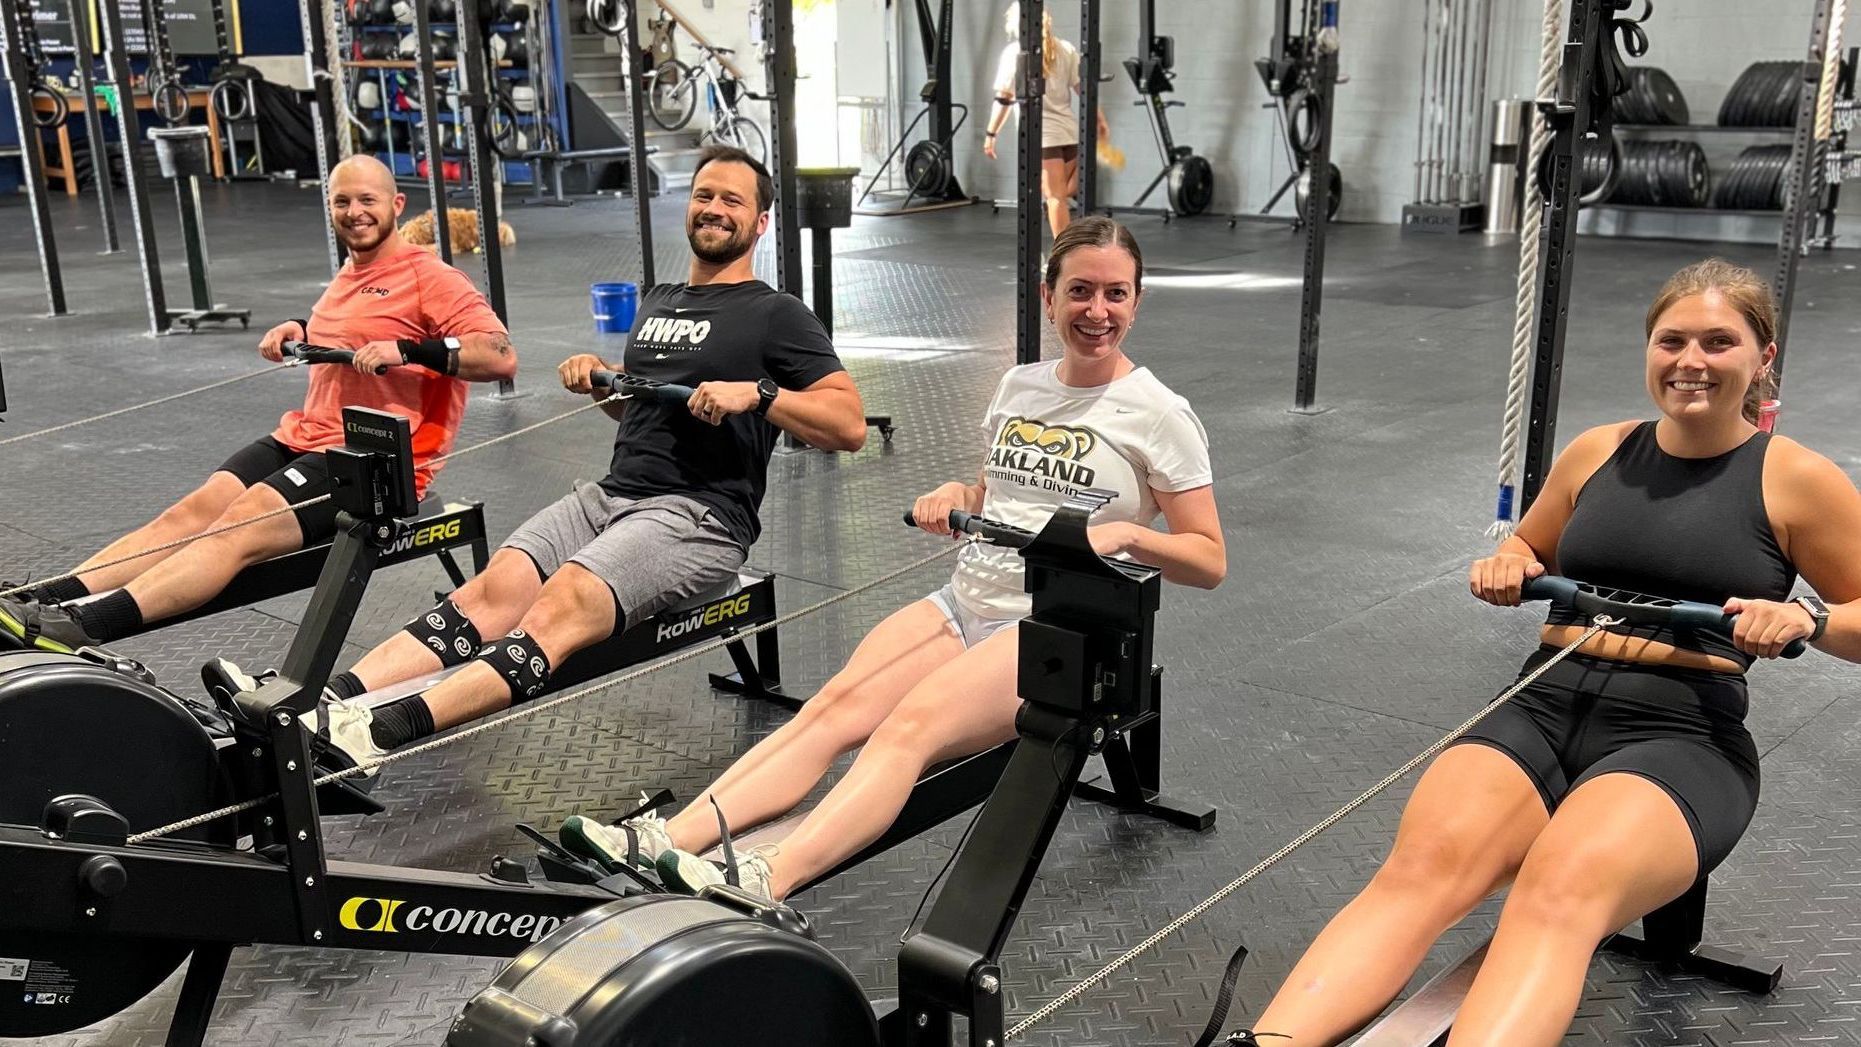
1030 452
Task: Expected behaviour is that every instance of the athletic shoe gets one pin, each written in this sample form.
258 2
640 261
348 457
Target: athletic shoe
687 873
42 627
342 726
637 841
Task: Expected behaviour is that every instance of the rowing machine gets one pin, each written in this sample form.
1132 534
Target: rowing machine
663 970
93 918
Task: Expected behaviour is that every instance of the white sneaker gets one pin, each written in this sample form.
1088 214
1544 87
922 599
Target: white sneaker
638 841
687 873
343 726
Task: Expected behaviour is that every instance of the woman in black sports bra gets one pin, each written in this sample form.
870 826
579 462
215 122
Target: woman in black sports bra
1624 774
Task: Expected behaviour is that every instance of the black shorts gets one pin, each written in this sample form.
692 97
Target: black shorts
1682 729
1066 153
298 477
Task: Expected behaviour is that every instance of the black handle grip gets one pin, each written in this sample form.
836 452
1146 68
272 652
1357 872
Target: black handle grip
642 388
994 530
1635 609
322 354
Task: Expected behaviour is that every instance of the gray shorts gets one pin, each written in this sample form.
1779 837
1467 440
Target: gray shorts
972 629
652 552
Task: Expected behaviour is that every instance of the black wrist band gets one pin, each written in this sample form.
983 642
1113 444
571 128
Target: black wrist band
430 353
303 325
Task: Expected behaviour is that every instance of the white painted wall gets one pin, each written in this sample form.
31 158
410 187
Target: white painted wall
1704 44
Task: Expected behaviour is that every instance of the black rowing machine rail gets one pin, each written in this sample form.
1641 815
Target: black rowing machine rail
666 969
93 918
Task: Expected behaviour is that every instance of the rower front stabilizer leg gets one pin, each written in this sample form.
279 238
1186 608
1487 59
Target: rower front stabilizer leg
921 1021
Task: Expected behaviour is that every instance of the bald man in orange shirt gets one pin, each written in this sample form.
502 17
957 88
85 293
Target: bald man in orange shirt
404 312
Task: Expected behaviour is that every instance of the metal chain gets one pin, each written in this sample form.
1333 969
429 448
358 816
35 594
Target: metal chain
528 710
1525 300
1305 837
318 500
137 407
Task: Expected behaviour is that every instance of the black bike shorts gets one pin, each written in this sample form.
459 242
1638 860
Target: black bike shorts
1682 729
297 476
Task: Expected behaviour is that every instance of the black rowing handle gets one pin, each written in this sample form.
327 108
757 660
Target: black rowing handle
320 354
645 388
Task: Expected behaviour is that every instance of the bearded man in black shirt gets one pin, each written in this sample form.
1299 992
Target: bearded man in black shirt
677 511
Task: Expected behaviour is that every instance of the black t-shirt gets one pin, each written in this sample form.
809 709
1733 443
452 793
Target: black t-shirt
713 333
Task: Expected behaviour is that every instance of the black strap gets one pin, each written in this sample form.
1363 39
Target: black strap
1224 999
730 854
650 803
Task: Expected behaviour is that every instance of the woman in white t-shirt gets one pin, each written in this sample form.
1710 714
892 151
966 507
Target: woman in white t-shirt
1059 128
936 680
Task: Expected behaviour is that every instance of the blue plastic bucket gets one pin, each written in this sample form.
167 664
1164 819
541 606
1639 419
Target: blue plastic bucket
614 306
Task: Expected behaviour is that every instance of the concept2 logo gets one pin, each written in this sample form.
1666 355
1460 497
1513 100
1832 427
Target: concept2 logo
379 916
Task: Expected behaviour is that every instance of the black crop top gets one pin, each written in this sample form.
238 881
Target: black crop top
1679 528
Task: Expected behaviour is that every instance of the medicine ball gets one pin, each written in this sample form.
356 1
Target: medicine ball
368 95
409 46
443 10
445 47
523 98
404 12
378 47
375 12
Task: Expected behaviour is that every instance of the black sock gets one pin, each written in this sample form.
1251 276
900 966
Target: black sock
346 685
111 616
60 591
401 721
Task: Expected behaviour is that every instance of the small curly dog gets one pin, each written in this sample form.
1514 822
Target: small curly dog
460 223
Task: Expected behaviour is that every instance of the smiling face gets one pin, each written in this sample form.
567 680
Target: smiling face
722 221
364 203
1703 357
1094 299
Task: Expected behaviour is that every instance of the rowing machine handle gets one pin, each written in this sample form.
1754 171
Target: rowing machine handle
318 354
1685 614
646 389
970 523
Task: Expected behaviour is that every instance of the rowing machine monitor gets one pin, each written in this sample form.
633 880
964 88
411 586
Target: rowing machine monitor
374 470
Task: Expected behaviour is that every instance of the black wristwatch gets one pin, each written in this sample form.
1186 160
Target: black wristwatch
766 390
1817 610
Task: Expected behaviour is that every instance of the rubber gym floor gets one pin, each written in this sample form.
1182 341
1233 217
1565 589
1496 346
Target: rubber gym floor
1342 642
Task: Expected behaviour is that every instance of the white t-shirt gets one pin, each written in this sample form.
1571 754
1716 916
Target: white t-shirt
1050 441
1058 125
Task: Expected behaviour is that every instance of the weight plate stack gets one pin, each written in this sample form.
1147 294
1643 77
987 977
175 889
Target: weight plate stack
1755 181
1663 173
1592 165
1652 97
1764 95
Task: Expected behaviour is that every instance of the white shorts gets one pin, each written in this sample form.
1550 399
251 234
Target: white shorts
972 629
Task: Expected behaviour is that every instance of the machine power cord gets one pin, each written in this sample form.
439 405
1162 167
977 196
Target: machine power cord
1597 625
